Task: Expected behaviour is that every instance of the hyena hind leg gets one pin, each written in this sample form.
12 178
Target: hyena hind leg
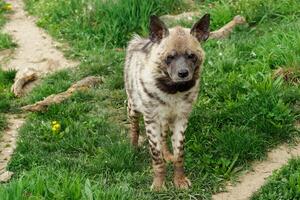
133 117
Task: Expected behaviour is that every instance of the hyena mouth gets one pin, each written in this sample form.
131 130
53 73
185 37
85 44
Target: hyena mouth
182 80
166 85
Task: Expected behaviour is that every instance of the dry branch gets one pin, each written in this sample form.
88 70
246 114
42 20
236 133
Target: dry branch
22 79
58 98
227 28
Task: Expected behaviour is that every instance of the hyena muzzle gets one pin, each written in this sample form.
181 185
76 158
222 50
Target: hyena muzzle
162 82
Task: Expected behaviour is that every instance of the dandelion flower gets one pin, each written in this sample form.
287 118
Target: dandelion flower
55 127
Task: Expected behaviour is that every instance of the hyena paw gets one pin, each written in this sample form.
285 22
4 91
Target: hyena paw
158 185
182 182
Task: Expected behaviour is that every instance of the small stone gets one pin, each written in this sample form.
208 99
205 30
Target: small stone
5 176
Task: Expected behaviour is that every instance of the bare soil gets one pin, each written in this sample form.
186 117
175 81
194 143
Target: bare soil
36 54
253 180
8 144
36 50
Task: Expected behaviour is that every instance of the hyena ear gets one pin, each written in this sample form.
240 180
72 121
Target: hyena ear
158 29
201 29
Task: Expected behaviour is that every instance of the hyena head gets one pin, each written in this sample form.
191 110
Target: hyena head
177 54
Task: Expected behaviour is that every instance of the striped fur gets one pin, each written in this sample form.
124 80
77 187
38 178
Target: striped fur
164 104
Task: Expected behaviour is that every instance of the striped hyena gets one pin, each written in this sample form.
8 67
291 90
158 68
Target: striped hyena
162 82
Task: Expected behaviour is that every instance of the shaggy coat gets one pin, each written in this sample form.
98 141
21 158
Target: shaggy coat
162 82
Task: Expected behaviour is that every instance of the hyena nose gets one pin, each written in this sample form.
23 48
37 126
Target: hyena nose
182 73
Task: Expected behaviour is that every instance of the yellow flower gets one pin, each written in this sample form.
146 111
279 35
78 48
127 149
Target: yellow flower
55 127
8 7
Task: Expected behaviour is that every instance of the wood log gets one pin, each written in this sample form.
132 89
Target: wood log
23 78
81 85
227 28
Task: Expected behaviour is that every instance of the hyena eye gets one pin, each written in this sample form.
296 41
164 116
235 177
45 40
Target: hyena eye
192 57
169 59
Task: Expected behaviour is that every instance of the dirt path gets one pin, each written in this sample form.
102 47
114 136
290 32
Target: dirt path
256 178
36 51
36 54
8 144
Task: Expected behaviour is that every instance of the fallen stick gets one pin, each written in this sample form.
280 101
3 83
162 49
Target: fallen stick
227 28
58 98
22 79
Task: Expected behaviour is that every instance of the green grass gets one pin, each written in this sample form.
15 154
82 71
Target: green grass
6 97
87 23
283 184
6 80
241 111
5 40
6 77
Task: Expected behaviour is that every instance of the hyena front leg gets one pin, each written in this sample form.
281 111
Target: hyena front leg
165 149
153 132
133 117
180 180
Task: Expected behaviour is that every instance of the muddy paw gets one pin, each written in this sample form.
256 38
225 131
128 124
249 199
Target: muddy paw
182 182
